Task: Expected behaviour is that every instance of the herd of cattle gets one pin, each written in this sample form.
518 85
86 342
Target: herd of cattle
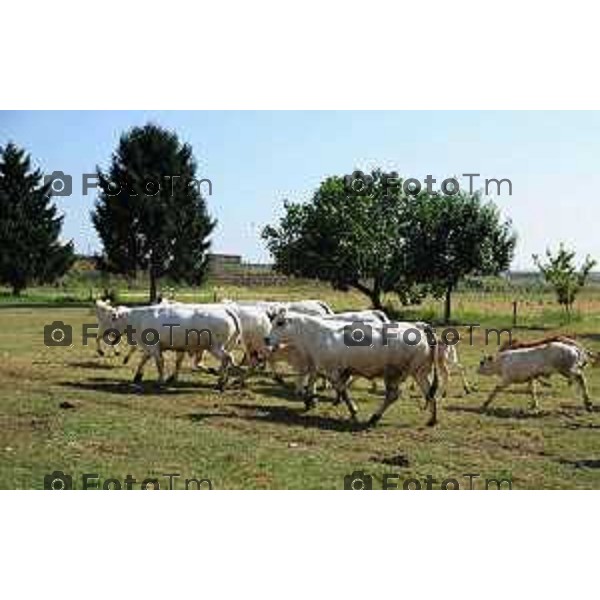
314 341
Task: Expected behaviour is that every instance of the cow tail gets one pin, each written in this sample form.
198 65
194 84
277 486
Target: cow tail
381 316
325 307
433 388
236 322
433 344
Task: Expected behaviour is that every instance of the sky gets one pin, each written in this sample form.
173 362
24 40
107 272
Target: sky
256 160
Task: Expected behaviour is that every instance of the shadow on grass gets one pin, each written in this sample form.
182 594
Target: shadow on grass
198 417
499 412
578 426
286 392
110 386
285 415
592 337
398 460
586 463
90 364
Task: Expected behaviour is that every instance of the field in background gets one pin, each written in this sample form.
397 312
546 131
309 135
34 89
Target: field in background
65 408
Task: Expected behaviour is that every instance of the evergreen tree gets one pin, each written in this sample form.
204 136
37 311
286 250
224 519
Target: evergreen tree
30 226
150 214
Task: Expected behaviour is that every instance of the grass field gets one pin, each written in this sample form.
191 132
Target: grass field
67 409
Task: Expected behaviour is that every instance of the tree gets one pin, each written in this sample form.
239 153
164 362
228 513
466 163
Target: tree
451 237
561 273
30 226
150 214
362 231
347 235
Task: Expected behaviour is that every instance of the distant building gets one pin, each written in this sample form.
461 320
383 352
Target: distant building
219 263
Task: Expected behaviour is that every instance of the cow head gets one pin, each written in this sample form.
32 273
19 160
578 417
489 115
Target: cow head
487 365
280 326
118 317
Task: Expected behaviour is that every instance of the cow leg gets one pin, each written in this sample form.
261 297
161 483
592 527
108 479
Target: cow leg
495 391
227 366
429 393
99 350
309 391
345 396
340 382
581 382
253 361
420 379
324 383
534 399
178 360
444 375
159 360
463 378
226 362
139 372
391 395
129 354
196 361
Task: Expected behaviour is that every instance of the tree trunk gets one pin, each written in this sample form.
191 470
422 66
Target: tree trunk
152 275
373 294
448 304
376 300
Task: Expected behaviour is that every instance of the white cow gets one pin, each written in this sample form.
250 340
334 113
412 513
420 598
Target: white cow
526 365
104 315
256 327
306 307
366 316
322 347
183 328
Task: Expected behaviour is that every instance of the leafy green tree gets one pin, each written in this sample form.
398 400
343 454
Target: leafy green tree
560 271
448 238
150 214
347 235
363 232
30 249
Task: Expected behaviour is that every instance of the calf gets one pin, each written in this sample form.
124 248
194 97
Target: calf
526 365
449 362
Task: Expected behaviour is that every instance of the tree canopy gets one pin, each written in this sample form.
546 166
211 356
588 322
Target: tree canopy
451 237
150 214
30 226
366 232
561 272
347 235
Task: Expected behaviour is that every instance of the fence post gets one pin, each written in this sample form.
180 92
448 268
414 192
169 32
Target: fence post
514 313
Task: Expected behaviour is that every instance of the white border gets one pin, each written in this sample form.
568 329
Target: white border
299 544
267 54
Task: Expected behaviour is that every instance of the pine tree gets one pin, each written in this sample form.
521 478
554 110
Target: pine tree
150 214
30 249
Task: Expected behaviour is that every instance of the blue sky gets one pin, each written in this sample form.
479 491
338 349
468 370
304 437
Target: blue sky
255 160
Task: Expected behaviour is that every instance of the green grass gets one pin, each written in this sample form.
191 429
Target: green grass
260 437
